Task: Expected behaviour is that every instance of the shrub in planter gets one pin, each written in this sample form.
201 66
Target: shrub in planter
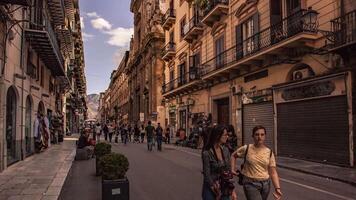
115 185
100 150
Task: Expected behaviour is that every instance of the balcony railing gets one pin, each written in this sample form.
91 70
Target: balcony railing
169 50
169 18
292 25
186 78
344 30
192 28
212 4
17 2
44 41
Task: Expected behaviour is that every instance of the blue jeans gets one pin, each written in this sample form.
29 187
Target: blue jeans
149 143
207 193
256 190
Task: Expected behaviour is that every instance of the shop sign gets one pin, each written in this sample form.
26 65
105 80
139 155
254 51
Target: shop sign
307 91
257 96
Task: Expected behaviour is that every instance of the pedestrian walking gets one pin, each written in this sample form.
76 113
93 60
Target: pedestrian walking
124 134
136 134
106 131
167 136
111 131
231 142
129 129
218 183
259 167
150 134
142 132
159 136
98 131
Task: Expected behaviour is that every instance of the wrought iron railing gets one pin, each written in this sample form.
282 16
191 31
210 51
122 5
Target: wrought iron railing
211 4
344 29
169 13
45 25
193 22
170 46
294 24
185 78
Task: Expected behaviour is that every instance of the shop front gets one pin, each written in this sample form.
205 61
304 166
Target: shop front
313 119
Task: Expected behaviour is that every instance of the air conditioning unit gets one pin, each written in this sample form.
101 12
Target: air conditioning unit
301 74
236 90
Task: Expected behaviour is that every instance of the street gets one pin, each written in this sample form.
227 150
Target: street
175 174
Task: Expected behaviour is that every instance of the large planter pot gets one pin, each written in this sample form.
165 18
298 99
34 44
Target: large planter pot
115 189
98 169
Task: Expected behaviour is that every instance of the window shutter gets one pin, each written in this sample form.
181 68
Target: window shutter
239 49
256 29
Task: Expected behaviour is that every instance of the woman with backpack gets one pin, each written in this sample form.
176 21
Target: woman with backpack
259 168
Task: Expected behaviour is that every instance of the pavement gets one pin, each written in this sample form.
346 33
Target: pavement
172 174
342 174
40 176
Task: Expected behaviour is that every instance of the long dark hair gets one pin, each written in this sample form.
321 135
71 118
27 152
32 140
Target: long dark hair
214 135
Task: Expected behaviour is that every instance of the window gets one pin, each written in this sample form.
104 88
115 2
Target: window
248 31
171 36
182 79
171 78
31 68
219 49
182 27
42 76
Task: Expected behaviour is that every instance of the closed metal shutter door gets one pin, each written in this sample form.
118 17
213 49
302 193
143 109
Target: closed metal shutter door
314 130
258 114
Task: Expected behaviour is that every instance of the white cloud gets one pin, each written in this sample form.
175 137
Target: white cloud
119 54
100 24
120 36
82 22
93 14
86 36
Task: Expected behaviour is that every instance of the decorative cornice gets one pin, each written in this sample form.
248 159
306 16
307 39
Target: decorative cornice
217 28
245 7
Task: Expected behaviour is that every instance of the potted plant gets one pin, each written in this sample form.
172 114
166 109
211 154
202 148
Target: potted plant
115 184
100 150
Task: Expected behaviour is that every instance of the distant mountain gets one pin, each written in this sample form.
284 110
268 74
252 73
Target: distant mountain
92 103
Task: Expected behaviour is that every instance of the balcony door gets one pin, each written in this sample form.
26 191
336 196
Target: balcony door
293 17
219 49
181 74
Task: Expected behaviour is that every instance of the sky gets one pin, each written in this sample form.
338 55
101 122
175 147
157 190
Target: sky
107 26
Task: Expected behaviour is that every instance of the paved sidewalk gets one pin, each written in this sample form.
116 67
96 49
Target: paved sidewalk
343 174
39 177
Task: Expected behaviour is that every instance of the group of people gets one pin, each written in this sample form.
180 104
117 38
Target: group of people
126 131
255 175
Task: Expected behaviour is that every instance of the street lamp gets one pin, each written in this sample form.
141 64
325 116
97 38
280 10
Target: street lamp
310 20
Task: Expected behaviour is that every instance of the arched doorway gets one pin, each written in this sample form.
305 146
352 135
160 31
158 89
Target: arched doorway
11 105
28 122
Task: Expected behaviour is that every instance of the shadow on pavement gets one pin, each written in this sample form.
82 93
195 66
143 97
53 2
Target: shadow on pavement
81 182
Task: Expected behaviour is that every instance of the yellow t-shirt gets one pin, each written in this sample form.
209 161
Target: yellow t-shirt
257 161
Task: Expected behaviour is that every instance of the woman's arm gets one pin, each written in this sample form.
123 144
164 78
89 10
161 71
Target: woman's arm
206 168
275 180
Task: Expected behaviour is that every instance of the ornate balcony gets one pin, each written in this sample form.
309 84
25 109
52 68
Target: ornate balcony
192 29
279 39
186 83
169 51
57 10
343 31
42 38
17 2
169 18
213 10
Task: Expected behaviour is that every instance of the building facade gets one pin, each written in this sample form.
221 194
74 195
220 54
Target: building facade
145 66
35 56
276 63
